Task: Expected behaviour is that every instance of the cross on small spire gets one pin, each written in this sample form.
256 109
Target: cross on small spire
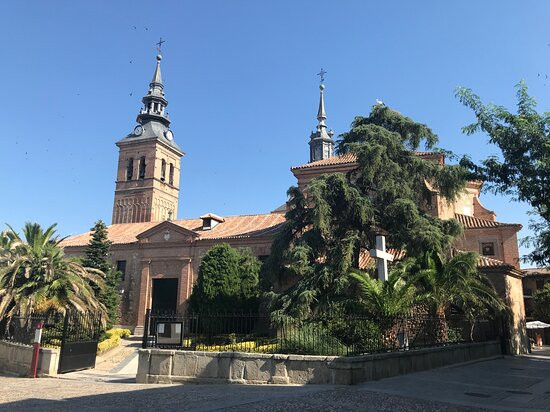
159 44
322 75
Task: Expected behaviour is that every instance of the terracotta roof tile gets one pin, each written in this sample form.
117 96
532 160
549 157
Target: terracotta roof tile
471 222
366 261
348 158
234 227
335 160
537 272
487 262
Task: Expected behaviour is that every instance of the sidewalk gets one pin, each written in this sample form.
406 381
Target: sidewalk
508 384
118 365
511 384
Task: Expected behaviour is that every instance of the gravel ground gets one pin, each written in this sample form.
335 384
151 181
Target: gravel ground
350 400
511 384
20 394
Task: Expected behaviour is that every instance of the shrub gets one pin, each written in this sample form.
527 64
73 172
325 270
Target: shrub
108 344
227 281
362 335
311 339
122 333
454 335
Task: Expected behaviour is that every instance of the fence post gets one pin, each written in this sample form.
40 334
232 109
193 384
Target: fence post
65 328
146 329
36 349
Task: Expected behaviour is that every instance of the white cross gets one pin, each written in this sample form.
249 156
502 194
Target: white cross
382 257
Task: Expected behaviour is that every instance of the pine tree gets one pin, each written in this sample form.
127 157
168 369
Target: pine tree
339 215
99 249
98 254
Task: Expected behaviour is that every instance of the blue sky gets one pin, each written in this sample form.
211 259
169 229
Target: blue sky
240 78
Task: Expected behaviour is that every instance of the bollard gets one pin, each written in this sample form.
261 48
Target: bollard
36 349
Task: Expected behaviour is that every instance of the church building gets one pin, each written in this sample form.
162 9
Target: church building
159 254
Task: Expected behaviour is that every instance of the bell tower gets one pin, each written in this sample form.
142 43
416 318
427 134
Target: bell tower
147 184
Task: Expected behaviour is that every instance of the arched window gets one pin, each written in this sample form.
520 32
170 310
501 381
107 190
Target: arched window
130 169
163 170
171 176
142 167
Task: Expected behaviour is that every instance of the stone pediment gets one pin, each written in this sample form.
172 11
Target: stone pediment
167 232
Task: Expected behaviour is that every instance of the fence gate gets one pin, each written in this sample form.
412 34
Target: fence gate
79 341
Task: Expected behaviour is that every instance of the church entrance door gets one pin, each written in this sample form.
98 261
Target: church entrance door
165 295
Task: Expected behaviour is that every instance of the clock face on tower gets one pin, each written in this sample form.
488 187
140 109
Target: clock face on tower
169 135
138 130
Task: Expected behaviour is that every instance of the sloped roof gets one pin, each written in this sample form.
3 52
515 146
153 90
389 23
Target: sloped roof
471 222
234 227
366 261
488 262
537 272
348 158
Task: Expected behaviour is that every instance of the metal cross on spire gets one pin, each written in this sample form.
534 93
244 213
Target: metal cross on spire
159 44
322 75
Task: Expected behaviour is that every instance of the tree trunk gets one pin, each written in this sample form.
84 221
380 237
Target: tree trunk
442 330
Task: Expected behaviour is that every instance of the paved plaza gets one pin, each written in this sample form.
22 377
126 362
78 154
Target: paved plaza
514 384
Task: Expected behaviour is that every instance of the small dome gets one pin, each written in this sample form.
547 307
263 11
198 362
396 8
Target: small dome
322 86
159 57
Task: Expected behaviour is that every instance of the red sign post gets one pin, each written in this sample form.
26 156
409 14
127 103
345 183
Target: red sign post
36 349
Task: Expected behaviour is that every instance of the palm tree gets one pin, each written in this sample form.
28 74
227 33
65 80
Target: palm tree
35 275
386 303
8 247
389 299
454 282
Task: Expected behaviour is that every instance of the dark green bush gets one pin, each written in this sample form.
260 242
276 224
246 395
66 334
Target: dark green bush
227 281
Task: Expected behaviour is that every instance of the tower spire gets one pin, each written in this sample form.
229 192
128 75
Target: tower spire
154 102
321 115
321 145
157 77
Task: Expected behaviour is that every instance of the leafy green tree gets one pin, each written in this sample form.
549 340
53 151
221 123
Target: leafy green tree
523 169
98 256
541 299
227 281
391 191
35 275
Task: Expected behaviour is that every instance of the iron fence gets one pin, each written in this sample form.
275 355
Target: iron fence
57 328
322 335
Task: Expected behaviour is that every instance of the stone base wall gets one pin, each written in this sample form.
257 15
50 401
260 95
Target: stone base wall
16 359
172 366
